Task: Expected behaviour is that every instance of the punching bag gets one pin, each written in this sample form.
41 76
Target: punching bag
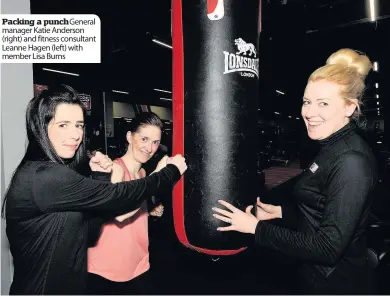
215 107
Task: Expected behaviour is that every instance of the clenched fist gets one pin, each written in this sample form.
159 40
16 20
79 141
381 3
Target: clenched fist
100 163
179 161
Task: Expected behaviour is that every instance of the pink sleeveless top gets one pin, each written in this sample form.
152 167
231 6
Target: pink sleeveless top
122 252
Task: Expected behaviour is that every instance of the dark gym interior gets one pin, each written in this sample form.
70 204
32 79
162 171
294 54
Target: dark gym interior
297 36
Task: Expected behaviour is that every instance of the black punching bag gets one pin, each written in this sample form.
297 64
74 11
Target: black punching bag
215 101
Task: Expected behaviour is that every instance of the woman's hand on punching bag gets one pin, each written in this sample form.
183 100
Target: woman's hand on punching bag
179 161
240 221
267 211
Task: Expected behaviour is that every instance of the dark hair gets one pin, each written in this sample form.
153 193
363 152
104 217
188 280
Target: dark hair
40 111
140 120
145 118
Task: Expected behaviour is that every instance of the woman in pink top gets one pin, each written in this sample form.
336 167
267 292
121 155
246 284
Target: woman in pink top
119 262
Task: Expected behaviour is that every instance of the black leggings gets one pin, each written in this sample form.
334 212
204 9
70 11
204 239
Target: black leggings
141 285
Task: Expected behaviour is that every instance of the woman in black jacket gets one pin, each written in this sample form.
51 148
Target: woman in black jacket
48 203
333 196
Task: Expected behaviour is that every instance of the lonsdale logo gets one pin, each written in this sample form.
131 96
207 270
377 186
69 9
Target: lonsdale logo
238 62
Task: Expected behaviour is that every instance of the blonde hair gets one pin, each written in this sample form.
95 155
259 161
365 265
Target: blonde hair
349 69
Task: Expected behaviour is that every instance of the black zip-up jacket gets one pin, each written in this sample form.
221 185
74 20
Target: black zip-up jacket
47 212
332 205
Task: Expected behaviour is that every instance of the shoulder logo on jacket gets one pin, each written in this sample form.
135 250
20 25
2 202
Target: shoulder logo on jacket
314 167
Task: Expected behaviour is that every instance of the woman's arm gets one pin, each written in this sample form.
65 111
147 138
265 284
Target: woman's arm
58 188
348 189
347 199
118 174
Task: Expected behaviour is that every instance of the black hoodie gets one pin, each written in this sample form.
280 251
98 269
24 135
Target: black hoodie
332 201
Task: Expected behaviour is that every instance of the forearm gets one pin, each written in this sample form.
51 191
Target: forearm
289 215
58 188
116 177
101 176
122 218
316 248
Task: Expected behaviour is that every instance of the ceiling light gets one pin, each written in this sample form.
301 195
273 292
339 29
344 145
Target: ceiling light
162 90
161 43
376 85
278 91
372 10
165 99
61 72
120 92
376 66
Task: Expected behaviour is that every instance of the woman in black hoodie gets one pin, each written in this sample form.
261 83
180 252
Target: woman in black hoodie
332 197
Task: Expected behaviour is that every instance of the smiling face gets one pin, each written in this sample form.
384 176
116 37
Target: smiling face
324 110
66 130
144 143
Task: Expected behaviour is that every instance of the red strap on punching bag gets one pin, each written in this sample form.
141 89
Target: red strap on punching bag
178 119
